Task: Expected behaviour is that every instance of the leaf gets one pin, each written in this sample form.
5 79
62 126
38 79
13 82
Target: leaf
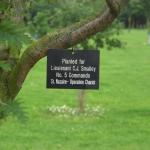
5 66
3 5
13 35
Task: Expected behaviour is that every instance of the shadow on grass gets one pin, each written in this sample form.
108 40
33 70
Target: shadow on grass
15 109
140 112
132 113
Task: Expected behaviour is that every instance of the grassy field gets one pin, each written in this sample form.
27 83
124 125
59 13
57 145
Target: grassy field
124 96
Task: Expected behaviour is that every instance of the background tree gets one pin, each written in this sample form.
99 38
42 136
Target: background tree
19 65
134 15
137 15
146 5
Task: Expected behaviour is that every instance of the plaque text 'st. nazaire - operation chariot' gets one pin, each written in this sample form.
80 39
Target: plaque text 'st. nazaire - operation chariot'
73 70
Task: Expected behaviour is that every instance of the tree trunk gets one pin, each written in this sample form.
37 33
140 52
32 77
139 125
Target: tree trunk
81 101
148 26
4 92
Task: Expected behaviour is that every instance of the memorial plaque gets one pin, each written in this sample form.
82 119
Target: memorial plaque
73 70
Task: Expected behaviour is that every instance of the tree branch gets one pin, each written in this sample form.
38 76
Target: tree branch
63 39
116 5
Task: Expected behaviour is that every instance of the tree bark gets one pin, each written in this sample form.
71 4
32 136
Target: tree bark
62 39
4 92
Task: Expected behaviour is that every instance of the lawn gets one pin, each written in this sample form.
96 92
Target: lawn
124 97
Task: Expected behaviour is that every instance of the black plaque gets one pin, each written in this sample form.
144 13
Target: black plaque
73 70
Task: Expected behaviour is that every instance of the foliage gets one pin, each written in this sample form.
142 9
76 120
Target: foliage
136 14
5 66
14 109
106 38
44 16
146 5
12 35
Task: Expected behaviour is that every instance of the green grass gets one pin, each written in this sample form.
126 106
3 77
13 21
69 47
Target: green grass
124 94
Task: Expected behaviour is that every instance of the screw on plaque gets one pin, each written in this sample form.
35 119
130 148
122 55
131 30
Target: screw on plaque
73 50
